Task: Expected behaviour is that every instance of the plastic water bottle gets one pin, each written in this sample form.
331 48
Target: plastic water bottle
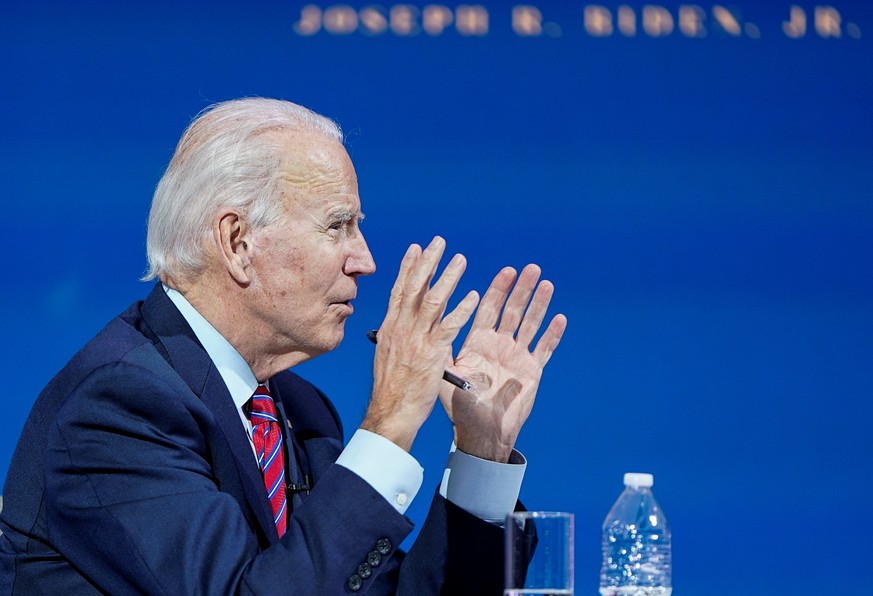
636 543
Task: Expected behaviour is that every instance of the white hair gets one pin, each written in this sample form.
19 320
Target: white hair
224 159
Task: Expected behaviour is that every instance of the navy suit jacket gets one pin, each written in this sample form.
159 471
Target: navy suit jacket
134 475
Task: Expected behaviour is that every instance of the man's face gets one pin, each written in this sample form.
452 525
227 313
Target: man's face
306 266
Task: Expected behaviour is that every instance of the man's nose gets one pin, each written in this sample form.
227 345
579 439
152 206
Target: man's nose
360 260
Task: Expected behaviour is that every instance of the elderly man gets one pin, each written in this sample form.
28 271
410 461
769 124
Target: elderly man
177 454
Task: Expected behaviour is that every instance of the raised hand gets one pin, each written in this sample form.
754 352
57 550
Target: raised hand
497 358
414 343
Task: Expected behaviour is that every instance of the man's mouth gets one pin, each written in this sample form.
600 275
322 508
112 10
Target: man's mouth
347 304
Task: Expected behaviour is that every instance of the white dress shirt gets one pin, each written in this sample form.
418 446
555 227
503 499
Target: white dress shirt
484 488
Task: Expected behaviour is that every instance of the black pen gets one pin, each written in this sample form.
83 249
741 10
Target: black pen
447 376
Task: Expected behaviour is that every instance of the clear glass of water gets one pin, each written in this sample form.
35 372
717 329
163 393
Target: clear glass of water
539 553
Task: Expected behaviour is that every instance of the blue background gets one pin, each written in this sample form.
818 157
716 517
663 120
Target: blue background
702 205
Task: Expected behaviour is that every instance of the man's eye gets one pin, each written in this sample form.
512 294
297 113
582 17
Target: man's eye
346 225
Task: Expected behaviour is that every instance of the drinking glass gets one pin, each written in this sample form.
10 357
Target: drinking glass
539 553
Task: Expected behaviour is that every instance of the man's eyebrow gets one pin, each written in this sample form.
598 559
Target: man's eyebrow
347 215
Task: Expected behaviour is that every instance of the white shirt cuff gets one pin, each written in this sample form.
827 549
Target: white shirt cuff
487 489
390 470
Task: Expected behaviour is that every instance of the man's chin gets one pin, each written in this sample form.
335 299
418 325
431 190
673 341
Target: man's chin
338 340
336 337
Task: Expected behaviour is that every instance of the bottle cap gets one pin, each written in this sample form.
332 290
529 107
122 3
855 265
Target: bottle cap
638 479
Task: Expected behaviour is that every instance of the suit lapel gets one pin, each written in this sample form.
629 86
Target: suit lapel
218 400
316 425
296 460
240 476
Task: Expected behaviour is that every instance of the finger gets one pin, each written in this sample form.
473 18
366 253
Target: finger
397 291
434 303
452 323
518 299
535 313
418 280
495 296
550 339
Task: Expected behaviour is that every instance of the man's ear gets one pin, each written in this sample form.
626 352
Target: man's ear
231 237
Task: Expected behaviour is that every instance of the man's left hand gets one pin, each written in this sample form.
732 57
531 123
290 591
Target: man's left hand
497 358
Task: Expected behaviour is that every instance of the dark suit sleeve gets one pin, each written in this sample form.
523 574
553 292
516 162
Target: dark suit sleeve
133 503
455 554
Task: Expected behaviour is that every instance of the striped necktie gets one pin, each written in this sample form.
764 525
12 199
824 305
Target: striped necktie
267 437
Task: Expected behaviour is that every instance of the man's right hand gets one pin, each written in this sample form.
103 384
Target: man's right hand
415 343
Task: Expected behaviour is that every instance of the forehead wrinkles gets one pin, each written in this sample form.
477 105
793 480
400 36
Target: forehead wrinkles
319 192
315 163
324 181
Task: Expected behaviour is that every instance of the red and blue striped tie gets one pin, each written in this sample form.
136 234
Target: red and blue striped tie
267 437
